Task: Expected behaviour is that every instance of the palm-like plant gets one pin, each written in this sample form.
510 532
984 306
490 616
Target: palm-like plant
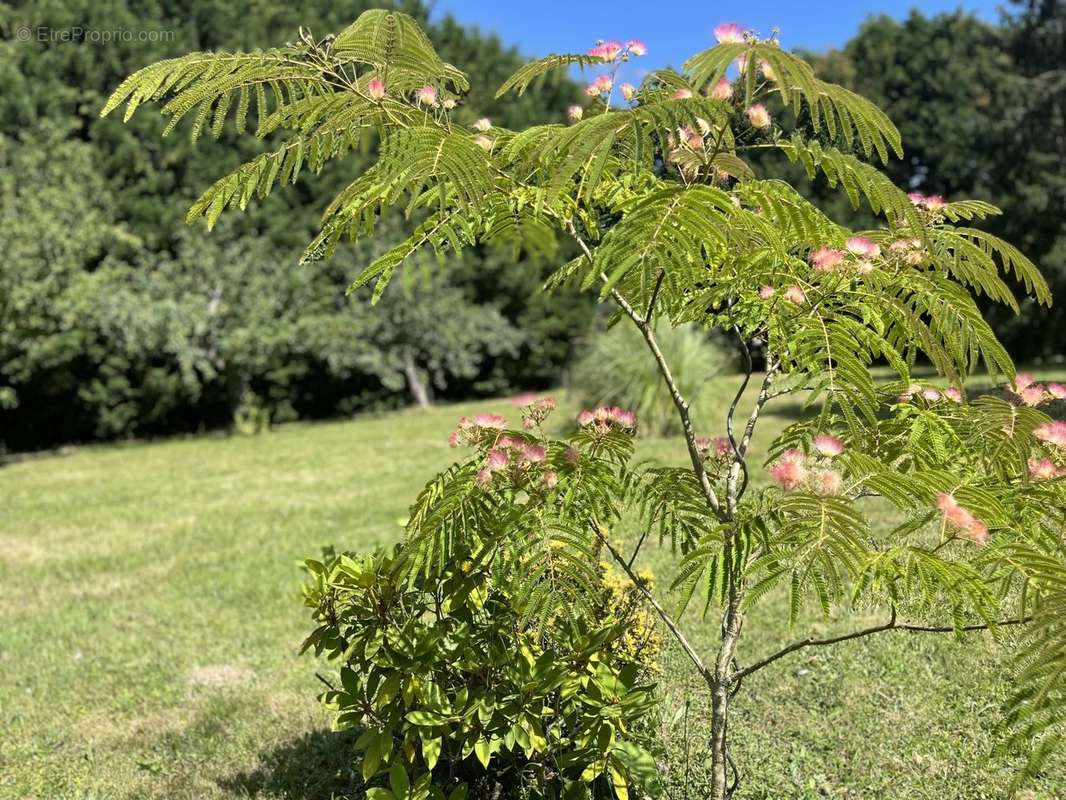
673 226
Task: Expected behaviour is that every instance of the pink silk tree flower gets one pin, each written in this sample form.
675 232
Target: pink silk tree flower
484 478
828 445
427 96
953 394
758 116
1053 433
767 71
729 33
375 88
795 294
636 47
497 459
628 90
605 50
622 417
586 417
574 113
789 472
934 202
490 421
824 259
916 197
682 94
484 142
1032 395
1022 380
1057 390
533 453
976 532
861 246
829 483
932 395
1042 469
723 90
766 292
550 479
482 125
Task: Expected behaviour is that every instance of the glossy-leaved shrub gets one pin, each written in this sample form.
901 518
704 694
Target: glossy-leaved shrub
452 688
672 226
609 372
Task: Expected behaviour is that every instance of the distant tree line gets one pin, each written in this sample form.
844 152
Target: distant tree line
982 111
115 321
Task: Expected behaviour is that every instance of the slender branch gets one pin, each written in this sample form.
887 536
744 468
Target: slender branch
636 550
654 296
664 369
664 615
891 625
739 462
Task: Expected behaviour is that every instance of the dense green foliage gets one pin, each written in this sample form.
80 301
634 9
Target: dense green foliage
673 226
115 322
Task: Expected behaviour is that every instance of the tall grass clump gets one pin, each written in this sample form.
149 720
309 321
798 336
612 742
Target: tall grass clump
613 368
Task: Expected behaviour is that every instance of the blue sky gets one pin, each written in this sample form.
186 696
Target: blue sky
675 29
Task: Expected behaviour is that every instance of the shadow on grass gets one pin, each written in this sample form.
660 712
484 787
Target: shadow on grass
320 765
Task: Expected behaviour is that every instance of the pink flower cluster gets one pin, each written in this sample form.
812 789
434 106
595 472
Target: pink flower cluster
723 90
1054 433
602 85
513 453
858 254
472 432
536 411
426 96
715 449
929 394
793 469
1043 469
965 523
758 116
1035 394
606 417
909 251
611 50
729 33
932 202
790 470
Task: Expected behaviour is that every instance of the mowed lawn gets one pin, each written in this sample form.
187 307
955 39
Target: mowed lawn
149 623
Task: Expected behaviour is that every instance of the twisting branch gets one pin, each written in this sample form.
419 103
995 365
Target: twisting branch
664 615
891 625
664 369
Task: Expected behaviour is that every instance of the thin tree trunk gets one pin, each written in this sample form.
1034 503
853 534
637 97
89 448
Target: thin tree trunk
732 621
414 381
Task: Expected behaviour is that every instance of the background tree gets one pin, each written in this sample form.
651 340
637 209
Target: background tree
981 113
106 364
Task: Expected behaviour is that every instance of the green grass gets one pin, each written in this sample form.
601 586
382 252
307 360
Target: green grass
149 626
